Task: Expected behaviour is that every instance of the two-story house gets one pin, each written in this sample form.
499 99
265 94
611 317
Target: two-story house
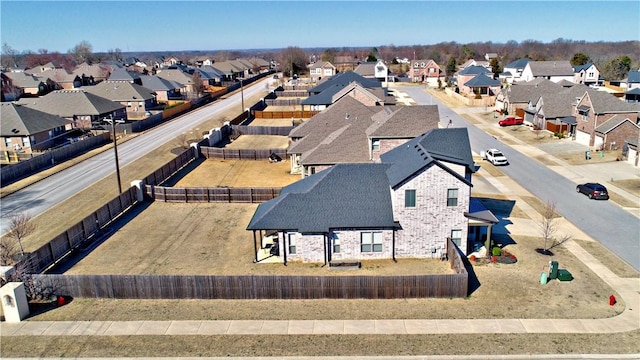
513 71
374 70
25 129
352 131
587 74
604 121
426 72
404 207
320 70
465 75
554 71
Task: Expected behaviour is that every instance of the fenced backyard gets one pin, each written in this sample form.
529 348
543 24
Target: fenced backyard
229 195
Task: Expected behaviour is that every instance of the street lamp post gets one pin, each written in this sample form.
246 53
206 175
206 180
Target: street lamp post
115 149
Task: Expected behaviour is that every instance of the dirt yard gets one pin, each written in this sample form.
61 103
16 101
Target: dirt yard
259 142
239 173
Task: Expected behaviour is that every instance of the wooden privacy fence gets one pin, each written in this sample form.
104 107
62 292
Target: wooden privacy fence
170 168
22 169
257 286
283 102
188 195
262 130
62 245
284 114
240 154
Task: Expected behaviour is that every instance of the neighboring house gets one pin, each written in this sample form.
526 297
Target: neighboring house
10 92
490 56
92 74
30 85
554 71
84 109
468 73
587 74
376 70
554 109
632 92
345 62
472 62
407 206
519 96
513 71
351 131
122 74
23 129
137 99
170 61
332 89
165 89
481 84
62 78
320 70
216 76
180 77
602 119
426 72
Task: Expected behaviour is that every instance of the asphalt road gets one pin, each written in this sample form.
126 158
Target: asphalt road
604 221
43 195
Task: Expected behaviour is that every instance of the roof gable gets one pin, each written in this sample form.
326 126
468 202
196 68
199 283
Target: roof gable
19 120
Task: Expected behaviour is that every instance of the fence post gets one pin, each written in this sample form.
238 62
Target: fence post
139 185
186 196
229 194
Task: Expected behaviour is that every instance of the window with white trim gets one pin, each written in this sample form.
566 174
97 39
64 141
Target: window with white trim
410 198
371 241
456 236
336 244
375 145
452 197
292 243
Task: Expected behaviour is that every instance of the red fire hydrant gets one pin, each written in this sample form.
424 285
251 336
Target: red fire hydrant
612 300
61 300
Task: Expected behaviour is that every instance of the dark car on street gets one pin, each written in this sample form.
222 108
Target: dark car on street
593 191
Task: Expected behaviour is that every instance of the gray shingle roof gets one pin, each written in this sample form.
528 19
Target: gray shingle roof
551 68
124 75
67 103
523 92
120 91
482 80
159 84
474 70
518 64
23 80
343 196
344 79
448 145
603 103
19 120
341 133
634 76
612 123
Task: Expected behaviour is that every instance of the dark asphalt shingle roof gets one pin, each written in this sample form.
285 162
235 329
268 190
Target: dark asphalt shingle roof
518 64
474 70
634 76
482 80
67 103
120 91
438 145
19 120
343 196
343 79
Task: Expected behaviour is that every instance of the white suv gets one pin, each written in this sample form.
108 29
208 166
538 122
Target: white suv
494 156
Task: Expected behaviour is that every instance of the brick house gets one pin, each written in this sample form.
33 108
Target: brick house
320 70
351 131
23 129
426 72
404 207
602 120
136 99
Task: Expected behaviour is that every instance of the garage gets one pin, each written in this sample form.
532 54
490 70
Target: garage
583 137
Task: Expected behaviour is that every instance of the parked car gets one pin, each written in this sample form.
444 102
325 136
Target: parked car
511 120
494 156
593 191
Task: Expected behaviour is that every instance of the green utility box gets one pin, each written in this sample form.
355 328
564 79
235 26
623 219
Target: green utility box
553 270
564 275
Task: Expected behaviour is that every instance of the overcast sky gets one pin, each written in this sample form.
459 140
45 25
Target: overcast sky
225 25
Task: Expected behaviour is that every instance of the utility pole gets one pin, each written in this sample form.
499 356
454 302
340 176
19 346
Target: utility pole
115 149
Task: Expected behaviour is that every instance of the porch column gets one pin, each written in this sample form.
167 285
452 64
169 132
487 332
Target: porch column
255 247
488 243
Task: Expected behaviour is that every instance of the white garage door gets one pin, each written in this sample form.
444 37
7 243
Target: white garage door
582 137
598 141
633 157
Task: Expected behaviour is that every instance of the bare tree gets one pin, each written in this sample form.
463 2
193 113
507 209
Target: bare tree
8 250
82 52
20 226
548 225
